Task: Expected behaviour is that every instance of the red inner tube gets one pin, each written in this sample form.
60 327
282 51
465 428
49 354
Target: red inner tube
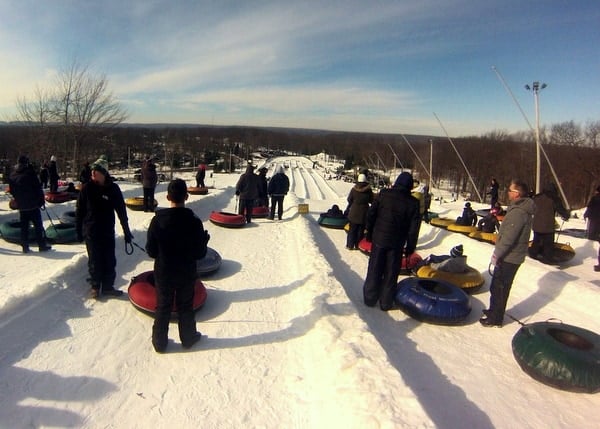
225 218
59 197
142 293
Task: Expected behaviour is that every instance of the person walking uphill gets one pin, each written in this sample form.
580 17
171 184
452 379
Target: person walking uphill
247 189
359 199
278 187
393 223
592 215
149 181
176 240
97 203
25 187
510 251
493 192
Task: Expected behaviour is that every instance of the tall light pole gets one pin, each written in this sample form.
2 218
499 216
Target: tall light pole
536 88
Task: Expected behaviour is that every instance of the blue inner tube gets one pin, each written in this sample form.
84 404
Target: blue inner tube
563 356
433 300
209 264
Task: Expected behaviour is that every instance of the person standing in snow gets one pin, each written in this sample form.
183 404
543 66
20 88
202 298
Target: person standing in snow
27 191
493 192
547 204
86 173
393 223
263 199
247 190
278 187
53 174
510 250
592 215
44 175
149 181
200 176
176 240
359 199
97 203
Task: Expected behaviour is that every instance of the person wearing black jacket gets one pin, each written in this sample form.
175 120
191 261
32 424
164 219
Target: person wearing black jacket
149 181
247 188
393 222
359 199
53 174
86 173
176 240
25 187
95 223
592 215
278 187
493 192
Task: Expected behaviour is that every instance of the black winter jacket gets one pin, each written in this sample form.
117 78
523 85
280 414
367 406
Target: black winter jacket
176 240
247 186
358 202
393 220
26 188
96 207
279 185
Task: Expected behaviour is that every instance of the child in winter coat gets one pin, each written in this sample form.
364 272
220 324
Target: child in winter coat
468 217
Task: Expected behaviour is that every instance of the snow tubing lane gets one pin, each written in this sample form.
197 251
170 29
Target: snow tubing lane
137 203
68 218
209 264
562 253
563 356
260 211
197 190
488 237
11 231
142 294
461 228
433 301
227 220
469 281
441 222
62 233
59 197
332 222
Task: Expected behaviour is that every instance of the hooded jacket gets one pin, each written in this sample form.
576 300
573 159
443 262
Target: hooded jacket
149 175
393 219
176 240
547 204
247 186
96 207
279 184
359 199
513 238
25 187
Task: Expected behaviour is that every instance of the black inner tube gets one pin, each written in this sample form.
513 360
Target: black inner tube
570 339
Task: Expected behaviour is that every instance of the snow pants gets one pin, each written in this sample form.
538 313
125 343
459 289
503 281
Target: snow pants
382 277
102 261
502 280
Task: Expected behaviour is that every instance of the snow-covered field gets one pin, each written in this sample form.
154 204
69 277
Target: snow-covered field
287 340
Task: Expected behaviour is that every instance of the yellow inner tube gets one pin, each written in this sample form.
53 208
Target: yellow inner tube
461 228
470 280
489 237
137 203
441 222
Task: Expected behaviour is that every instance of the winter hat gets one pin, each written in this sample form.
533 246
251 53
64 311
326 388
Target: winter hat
404 180
456 251
23 160
362 178
101 165
53 158
468 204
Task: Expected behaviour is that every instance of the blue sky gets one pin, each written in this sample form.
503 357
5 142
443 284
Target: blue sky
375 66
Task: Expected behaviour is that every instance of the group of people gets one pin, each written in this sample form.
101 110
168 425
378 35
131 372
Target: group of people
253 190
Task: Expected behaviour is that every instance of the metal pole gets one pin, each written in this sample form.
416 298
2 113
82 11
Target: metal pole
430 161
538 175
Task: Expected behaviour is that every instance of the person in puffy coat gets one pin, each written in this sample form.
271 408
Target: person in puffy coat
547 205
359 200
149 181
247 188
592 215
510 251
393 222
278 187
97 203
27 191
176 240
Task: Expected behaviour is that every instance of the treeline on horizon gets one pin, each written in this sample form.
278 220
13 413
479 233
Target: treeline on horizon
573 151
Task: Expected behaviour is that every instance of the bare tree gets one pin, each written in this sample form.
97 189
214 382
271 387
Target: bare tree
80 102
592 133
566 133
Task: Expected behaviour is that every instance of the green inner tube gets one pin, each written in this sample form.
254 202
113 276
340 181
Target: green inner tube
61 233
560 355
11 231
